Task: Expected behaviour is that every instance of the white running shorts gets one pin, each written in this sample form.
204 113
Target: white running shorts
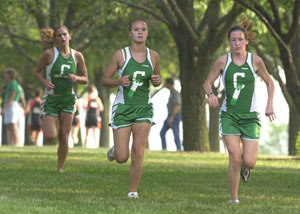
11 115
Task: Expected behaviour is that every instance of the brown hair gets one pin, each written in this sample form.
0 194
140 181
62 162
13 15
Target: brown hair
12 73
48 36
91 88
169 81
134 20
38 92
245 26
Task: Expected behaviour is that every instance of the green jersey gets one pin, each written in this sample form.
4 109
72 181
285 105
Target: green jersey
239 83
58 70
12 86
138 92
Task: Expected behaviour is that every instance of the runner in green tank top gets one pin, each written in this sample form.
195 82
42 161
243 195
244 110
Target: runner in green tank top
239 116
132 110
64 66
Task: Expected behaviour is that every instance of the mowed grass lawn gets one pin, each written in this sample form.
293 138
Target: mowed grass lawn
171 183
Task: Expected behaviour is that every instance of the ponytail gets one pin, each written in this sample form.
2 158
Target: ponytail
245 26
47 38
246 23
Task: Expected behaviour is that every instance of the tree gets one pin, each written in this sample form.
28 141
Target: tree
284 28
93 26
84 19
198 34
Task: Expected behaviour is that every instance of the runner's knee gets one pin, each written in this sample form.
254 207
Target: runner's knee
235 160
249 163
121 158
49 137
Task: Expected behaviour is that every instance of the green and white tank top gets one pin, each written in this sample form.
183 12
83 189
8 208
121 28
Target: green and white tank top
57 71
140 72
243 79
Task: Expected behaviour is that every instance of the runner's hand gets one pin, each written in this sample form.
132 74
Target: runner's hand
156 79
49 86
125 81
213 101
270 113
72 78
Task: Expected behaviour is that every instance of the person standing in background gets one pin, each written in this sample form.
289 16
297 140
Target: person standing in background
94 106
34 109
11 105
174 116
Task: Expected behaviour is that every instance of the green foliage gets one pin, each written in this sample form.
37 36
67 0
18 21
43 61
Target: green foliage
5 14
298 144
172 183
98 29
276 143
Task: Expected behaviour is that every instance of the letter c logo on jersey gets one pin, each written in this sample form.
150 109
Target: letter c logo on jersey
138 73
235 76
63 66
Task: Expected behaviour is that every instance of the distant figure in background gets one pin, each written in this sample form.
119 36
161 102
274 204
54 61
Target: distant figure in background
34 109
174 115
11 106
21 121
75 125
94 106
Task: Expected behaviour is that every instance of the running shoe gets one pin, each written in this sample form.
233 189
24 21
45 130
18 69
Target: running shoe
133 195
110 154
233 202
245 174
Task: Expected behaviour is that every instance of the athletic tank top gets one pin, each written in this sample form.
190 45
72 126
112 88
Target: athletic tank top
92 108
138 72
57 71
244 77
36 110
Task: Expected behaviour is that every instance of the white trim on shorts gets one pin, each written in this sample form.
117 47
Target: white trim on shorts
113 126
146 118
251 139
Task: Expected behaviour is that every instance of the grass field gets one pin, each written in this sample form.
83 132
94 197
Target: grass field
171 183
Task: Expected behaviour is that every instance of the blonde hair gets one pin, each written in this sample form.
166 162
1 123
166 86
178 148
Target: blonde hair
47 38
245 26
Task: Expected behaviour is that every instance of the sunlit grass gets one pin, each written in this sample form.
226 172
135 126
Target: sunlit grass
172 183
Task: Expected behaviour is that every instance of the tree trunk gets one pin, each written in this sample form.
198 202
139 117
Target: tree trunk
214 134
293 86
104 94
195 63
294 127
294 120
195 134
105 129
